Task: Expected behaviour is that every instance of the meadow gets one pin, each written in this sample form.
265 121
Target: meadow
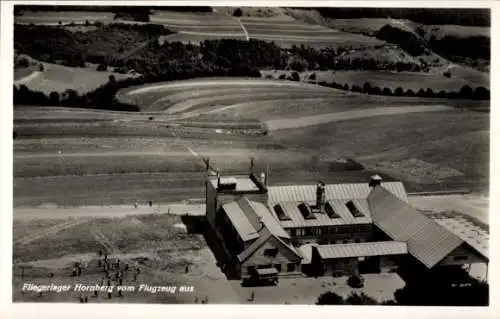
58 78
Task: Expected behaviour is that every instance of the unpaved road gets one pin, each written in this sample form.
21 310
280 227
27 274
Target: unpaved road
279 124
106 211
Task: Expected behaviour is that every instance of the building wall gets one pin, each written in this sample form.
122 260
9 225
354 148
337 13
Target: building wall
282 260
211 206
462 255
344 234
341 267
389 264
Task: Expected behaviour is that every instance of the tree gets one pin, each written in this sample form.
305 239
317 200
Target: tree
386 91
329 298
409 92
466 91
312 77
360 299
399 91
237 12
481 93
41 68
54 98
367 87
295 76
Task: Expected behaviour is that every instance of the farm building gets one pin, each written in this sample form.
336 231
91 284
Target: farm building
334 230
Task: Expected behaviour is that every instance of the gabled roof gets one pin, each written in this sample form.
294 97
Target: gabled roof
427 240
240 221
265 235
362 249
246 217
322 219
474 235
307 193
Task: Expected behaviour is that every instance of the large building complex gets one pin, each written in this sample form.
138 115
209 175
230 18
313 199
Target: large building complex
337 229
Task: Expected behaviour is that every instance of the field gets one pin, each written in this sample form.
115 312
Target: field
97 152
60 78
65 17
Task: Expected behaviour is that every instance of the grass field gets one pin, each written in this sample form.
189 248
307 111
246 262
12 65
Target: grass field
213 118
448 149
154 243
60 78
65 17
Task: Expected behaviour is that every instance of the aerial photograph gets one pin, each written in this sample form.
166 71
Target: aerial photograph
251 155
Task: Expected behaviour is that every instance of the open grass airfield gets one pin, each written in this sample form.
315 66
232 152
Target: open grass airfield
78 172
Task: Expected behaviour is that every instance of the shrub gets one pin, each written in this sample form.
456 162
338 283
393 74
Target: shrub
357 89
355 281
409 92
282 76
23 62
386 91
360 299
102 67
312 77
329 298
345 87
41 68
367 87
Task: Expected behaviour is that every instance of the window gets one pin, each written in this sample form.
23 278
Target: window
354 210
305 211
333 230
278 267
271 252
280 213
460 258
330 212
290 267
251 269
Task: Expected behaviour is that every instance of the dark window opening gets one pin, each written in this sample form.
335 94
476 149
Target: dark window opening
280 213
354 210
305 211
330 211
272 252
290 267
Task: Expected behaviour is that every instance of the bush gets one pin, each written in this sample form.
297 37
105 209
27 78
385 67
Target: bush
102 67
360 299
386 91
282 76
312 77
399 91
329 298
355 281
41 68
23 62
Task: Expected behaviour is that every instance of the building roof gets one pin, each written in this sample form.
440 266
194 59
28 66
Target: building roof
307 193
306 251
265 235
362 249
474 235
243 182
246 216
345 217
427 241
240 221
263 214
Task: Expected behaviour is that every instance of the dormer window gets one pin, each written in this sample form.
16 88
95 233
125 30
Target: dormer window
330 211
306 211
354 210
280 212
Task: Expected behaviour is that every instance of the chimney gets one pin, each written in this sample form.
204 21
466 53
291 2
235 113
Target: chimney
320 196
251 164
207 162
375 180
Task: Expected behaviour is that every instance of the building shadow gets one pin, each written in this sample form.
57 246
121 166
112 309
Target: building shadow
194 224
224 262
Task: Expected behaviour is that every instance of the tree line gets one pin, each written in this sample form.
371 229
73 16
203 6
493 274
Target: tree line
466 92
